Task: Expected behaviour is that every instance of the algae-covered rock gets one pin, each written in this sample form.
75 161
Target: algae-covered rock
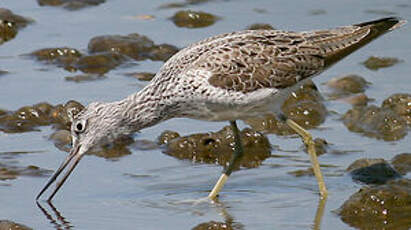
372 171
373 121
402 163
375 63
385 206
217 148
400 103
304 106
193 19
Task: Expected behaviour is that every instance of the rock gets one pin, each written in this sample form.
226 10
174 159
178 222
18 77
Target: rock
347 85
63 57
217 148
401 104
100 63
61 115
317 12
10 225
28 118
375 63
142 76
357 99
402 163
379 207
376 122
70 4
260 26
167 136
113 150
186 3
17 20
302 172
214 225
193 19
304 106
3 72
321 146
61 139
364 162
84 77
8 31
11 172
136 46
377 173
162 52
382 12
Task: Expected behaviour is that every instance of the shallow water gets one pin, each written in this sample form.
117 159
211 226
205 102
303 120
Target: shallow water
101 194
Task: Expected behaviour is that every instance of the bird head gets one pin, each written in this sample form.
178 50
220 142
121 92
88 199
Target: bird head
95 125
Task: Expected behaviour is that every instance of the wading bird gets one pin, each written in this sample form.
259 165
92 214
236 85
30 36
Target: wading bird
227 77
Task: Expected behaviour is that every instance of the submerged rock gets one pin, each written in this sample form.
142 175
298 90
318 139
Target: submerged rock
3 72
142 76
71 4
379 207
214 225
217 148
375 63
62 139
84 77
185 3
401 104
260 26
304 106
193 19
357 99
136 46
347 85
372 121
402 163
11 172
372 171
317 12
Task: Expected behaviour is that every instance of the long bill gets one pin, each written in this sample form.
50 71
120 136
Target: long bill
74 157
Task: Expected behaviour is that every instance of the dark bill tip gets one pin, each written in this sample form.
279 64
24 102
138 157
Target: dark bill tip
74 157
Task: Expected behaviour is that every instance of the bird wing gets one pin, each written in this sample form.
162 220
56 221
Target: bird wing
248 60
277 59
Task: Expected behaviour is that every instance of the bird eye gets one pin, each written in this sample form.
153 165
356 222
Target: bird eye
79 126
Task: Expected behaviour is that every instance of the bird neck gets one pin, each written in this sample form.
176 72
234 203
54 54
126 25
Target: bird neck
142 109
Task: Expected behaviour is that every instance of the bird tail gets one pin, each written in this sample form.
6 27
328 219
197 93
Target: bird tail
350 38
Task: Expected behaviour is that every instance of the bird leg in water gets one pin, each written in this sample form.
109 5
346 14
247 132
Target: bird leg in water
235 160
308 141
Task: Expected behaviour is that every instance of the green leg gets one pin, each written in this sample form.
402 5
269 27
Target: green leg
236 158
308 140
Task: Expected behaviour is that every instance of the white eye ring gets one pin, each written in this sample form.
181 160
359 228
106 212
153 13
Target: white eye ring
79 126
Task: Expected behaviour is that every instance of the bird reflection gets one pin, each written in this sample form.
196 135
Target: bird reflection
228 224
60 222
56 218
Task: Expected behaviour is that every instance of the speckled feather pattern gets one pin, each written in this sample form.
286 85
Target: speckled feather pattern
232 76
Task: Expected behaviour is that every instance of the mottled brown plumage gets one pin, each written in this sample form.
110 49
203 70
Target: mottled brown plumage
249 60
